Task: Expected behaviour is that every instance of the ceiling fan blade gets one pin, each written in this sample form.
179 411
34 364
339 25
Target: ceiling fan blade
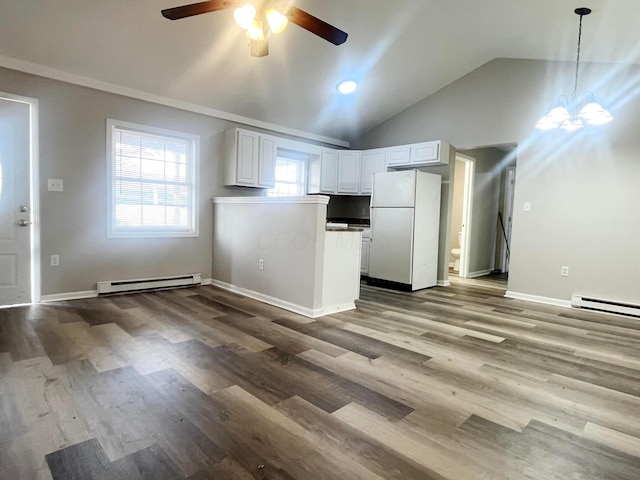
317 26
184 11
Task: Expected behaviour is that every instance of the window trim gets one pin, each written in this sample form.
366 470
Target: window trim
291 157
142 232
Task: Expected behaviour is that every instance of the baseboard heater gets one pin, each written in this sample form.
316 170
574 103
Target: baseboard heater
138 284
602 305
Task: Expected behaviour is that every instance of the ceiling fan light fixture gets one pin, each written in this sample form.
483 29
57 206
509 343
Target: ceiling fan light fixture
244 16
277 21
256 31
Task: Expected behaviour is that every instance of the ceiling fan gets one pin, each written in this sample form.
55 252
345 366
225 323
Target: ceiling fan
260 19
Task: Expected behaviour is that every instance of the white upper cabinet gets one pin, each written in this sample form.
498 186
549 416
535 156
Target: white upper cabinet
373 161
328 171
322 173
426 152
348 172
400 155
418 154
267 162
250 159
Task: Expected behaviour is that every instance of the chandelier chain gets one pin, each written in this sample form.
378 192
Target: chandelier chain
575 86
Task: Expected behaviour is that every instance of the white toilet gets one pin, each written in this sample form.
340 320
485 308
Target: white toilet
455 253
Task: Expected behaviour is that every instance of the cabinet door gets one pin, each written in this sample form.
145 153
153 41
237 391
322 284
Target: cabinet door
247 158
364 256
267 162
373 161
399 155
427 152
328 171
348 172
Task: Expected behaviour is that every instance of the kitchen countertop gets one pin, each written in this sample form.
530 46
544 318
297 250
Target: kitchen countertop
344 229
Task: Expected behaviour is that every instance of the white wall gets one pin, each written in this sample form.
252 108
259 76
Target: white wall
305 268
582 186
287 236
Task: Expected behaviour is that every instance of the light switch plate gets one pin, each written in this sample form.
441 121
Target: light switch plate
527 206
55 185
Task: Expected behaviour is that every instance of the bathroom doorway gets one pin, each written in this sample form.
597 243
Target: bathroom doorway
462 214
505 218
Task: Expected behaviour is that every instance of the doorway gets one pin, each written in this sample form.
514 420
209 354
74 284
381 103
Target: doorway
461 219
19 254
506 217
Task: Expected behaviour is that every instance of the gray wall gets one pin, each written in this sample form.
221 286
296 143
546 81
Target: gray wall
582 186
73 223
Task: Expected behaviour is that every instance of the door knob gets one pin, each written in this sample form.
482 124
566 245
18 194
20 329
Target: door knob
24 208
23 223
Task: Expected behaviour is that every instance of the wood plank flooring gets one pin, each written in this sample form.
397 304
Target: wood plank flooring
444 383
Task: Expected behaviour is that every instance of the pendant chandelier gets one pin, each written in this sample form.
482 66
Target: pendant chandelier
574 113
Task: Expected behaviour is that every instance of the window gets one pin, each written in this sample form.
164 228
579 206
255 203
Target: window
152 181
290 177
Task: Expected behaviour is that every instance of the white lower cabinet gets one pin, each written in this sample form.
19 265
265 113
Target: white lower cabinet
364 256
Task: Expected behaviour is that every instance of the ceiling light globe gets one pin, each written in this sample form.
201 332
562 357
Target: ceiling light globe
277 21
244 16
572 125
545 124
347 87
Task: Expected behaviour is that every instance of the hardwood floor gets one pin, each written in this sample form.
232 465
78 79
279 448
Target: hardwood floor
444 383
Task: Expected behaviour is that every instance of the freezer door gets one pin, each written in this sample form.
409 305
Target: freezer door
394 189
390 255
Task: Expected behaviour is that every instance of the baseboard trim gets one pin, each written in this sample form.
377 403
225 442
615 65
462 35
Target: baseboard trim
556 302
480 273
443 283
61 297
277 302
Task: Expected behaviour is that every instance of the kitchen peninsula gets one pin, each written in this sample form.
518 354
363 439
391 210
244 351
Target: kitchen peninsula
278 250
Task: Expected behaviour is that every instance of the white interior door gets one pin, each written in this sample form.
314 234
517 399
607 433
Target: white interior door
15 205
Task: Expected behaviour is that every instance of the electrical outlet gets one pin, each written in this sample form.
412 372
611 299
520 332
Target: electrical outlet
364 211
564 271
261 264
55 185
55 260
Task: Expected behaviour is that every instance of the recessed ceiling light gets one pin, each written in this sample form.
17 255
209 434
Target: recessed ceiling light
347 87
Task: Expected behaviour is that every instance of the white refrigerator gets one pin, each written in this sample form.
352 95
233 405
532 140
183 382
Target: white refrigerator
405 224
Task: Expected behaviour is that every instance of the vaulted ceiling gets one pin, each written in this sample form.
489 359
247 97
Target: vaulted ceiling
400 51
